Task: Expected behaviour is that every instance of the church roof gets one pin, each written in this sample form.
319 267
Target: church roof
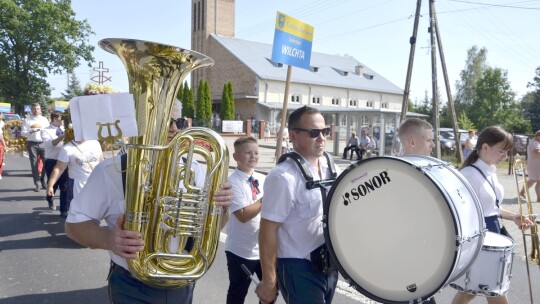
326 70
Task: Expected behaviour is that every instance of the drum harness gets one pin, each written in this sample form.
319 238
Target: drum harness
320 257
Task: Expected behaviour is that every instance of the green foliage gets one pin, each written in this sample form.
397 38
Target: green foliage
493 98
227 102
486 97
200 95
74 88
188 103
531 102
475 66
180 94
204 106
37 38
465 123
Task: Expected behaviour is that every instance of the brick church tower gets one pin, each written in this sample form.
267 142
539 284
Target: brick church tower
209 17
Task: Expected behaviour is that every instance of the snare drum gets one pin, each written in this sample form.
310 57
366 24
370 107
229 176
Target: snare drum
491 272
401 229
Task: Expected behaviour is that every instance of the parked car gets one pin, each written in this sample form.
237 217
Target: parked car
520 144
11 116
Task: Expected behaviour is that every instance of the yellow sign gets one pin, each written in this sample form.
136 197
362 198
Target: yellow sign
294 27
61 105
5 107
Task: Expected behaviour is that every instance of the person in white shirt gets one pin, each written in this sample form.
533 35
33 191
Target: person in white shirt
291 231
363 143
103 199
31 128
480 170
80 158
242 244
533 166
53 140
352 144
416 137
470 143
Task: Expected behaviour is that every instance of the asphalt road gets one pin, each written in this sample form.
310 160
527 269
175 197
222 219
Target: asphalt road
39 264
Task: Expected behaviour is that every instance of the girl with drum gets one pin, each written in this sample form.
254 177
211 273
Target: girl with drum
480 171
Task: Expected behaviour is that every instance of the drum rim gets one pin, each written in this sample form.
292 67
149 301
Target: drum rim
330 247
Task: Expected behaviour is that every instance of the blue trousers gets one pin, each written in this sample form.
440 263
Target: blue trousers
299 283
126 289
492 223
238 279
61 183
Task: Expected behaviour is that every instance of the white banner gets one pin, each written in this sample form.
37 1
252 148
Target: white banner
232 126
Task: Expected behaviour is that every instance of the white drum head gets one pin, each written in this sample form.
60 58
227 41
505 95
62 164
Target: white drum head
391 230
497 242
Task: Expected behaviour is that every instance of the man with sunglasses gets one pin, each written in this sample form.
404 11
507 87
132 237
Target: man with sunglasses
291 218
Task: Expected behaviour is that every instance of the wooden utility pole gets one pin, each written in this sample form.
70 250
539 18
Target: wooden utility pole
459 152
435 36
412 41
434 90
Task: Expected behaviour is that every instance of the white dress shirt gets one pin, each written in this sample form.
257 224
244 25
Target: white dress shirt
35 121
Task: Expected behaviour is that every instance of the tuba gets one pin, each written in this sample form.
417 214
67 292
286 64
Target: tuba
179 222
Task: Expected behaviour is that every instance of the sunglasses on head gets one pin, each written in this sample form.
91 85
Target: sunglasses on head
314 133
179 122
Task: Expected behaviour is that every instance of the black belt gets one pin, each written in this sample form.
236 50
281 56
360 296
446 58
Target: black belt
36 142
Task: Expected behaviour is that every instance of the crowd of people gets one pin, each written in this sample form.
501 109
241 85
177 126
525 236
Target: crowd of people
273 222
51 152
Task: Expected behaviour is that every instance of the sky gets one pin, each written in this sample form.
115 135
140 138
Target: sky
374 32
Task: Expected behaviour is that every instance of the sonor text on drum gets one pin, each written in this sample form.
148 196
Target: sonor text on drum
366 187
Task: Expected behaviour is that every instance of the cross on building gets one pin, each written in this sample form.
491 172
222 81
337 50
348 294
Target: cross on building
100 77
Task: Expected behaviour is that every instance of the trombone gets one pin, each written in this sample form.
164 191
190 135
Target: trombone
533 258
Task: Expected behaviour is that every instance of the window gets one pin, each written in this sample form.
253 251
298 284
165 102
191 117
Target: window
316 100
295 98
384 104
335 101
369 103
353 102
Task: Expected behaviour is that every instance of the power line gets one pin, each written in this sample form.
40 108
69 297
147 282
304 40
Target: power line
497 5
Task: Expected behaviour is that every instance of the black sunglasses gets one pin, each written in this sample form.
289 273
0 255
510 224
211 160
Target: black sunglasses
179 123
314 133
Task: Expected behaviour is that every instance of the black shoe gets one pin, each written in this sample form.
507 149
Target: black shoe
63 214
49 200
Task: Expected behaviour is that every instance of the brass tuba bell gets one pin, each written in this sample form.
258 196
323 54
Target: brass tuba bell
178 221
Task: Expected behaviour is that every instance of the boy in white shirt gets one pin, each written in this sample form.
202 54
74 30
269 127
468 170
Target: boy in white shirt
242 245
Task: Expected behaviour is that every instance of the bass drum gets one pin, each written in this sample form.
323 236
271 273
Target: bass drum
401 229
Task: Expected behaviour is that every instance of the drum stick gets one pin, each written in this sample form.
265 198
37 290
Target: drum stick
252 276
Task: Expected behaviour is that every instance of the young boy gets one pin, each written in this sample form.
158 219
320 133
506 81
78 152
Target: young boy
242 245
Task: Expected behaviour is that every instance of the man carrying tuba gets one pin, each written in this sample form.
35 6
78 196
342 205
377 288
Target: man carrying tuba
102 198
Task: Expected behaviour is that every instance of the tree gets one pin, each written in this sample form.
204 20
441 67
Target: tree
227 102
465 123
531 102
494 103
204 106
180 94
38 37
74 88
475 66
188 102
